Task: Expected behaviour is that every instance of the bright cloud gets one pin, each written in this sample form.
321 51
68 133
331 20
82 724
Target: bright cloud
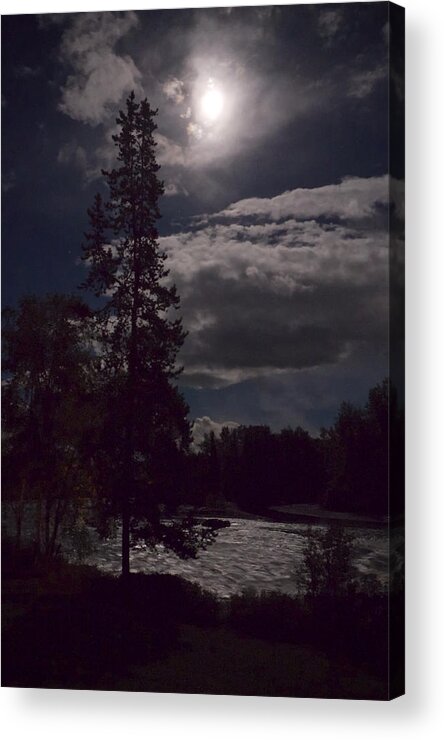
100 75
204 425
353 198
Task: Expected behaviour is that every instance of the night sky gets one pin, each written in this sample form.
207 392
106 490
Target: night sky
273 144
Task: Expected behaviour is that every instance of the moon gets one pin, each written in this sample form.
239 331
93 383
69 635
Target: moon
212 104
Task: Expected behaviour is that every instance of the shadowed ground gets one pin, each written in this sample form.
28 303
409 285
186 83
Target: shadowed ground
72 627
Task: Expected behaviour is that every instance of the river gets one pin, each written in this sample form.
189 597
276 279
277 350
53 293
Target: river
257 554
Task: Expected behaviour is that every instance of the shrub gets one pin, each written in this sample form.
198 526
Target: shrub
267 615
327 568
173 598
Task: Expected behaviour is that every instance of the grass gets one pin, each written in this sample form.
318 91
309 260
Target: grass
68 626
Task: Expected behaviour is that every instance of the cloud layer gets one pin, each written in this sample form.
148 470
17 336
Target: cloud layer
295 281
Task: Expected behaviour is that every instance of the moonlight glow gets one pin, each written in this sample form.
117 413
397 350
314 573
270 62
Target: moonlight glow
212 104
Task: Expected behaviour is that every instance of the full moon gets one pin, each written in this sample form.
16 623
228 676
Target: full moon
212 104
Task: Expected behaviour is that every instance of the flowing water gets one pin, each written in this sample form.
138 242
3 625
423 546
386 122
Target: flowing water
256 554
249 554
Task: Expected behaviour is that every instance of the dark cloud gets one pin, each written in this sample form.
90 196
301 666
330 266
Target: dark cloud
308 398
363 83
329 23
73 153
8 181
26 72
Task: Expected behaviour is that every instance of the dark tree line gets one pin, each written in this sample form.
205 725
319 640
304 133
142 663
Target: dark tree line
360 449
256 468
346 468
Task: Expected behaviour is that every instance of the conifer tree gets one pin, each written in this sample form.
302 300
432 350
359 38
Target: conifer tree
140 337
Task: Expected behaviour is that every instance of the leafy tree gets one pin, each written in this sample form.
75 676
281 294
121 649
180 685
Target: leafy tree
357 450
46 366
256 467
327 568
140 339
211 468
345 446
298 467
229 454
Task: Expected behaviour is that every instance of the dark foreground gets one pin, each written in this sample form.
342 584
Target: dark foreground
70 627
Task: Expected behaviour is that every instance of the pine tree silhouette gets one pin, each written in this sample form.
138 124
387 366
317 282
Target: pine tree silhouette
139 339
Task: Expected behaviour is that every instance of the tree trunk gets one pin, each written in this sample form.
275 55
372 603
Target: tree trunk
128 481
18 511
125 535
48 505
38 523
59 515
18 530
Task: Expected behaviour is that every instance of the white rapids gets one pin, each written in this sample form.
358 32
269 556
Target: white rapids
257 554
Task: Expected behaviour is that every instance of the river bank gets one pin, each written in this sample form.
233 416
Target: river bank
73 627
315 514
297 514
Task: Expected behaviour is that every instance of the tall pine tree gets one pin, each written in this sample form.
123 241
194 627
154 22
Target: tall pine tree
139 337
